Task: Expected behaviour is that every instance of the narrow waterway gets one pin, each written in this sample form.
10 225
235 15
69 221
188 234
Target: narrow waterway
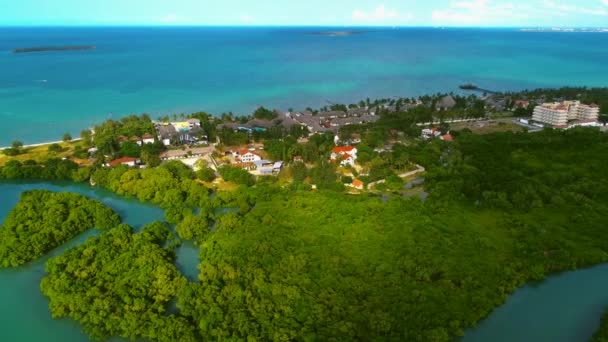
564 308
24 313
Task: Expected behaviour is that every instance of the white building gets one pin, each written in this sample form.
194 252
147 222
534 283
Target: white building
558 114
246 156
346 154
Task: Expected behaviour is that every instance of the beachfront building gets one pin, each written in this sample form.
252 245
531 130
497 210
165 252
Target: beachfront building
558 114
176 133
553 114
347 155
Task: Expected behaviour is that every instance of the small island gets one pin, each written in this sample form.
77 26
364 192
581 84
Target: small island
54 48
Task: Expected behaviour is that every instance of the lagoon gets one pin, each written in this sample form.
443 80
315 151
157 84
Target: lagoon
24 314
563 308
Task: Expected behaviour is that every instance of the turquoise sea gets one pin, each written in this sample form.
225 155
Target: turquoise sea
174 70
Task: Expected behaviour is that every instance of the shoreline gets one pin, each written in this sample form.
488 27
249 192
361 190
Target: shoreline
43 143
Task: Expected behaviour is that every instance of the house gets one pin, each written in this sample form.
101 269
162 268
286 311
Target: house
180 133
429 133
247 166
194 123
446 102
521 104
265 167
346 154
246 156
148 138
357 184
128 161
447 137
136 140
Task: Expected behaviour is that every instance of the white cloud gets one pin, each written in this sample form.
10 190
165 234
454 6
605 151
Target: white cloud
380 14
605 2
572 9
478 12
490 12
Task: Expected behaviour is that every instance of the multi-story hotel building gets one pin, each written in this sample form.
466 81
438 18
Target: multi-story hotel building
559 113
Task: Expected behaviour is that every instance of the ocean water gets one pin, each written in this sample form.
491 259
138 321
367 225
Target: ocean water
175 70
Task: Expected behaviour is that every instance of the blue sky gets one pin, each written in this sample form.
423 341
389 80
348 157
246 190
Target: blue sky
546 13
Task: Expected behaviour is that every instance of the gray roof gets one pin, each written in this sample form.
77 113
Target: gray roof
446 102
166 131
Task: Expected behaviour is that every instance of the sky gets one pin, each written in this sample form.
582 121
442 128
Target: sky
476 13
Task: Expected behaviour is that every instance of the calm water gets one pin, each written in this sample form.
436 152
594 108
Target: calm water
24 313
564 308
173 70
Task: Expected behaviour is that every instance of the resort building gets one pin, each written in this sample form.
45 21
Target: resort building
176 133
558 114
346 154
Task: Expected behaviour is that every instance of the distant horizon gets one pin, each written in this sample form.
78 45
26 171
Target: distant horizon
298 26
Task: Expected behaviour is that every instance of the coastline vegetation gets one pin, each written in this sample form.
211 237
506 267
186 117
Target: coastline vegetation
43 220
281 260
120 284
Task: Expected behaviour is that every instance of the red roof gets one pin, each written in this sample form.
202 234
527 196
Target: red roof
343 149
447 137
148 136
357 183
245 151
122 160
122 138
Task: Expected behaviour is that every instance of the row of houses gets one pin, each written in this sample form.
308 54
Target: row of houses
330 121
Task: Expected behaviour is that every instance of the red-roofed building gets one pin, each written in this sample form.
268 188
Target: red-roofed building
347 155
447 137
246 156
128 161
357 184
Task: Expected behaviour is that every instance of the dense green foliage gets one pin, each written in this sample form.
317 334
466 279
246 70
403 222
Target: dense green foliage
51 169
236 175
119 284
43 220
171 185
265 114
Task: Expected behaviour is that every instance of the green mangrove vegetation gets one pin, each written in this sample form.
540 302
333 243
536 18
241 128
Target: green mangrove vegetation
120 284
43 220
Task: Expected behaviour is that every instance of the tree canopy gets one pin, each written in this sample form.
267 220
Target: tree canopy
119 284
43 220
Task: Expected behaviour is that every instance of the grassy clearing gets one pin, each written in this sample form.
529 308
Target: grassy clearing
487 127
41 153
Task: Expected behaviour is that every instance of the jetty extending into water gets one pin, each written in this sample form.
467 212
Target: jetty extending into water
54 48
472 87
